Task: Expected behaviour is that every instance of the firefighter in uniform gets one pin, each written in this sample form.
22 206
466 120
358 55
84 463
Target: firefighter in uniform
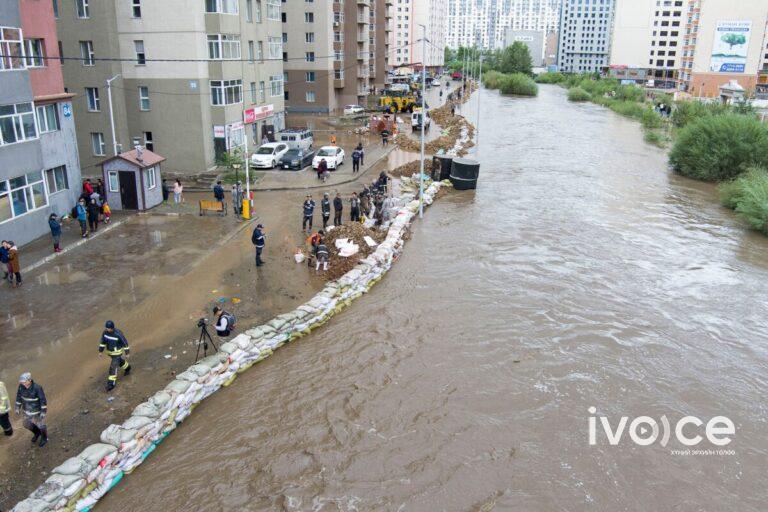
116 345
30 399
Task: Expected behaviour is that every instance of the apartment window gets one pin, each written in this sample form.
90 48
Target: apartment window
309 37
275 47
17 123
283 17
149 141
309 56
141 57
34 53
83 9
61 53
221 6
251 51
226 92
143 97
260 50
21 195
47 118
94 102
273 10
86 53
11 47
97 143
310 76
310 96
276 85
258 11
56 9
114 182
151 178
56 179
249 11
136 7
262 93
223 47
253 92
309 17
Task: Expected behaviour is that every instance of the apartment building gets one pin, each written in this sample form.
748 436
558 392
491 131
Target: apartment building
182 74
39 166
485 22
724 41
408 18
334 52
585 35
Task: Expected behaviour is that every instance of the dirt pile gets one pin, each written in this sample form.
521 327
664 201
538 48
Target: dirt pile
355 232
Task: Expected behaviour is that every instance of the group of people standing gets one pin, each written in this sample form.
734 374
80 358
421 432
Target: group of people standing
9 258
91 208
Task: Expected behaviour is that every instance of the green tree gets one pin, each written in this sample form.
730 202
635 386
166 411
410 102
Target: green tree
732 39
448 55
516 59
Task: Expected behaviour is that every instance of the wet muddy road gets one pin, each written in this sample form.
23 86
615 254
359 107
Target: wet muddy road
581 273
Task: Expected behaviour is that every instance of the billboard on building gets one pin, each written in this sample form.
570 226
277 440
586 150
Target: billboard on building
730 46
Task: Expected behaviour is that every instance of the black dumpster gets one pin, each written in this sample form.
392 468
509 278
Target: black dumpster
441 165
464 173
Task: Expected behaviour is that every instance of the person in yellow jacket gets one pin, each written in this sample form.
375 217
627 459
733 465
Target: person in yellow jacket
5 410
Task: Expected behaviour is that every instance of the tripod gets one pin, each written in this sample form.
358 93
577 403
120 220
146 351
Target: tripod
205 337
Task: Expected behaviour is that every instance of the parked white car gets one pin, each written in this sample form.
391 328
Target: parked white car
333 155
353 109
267 156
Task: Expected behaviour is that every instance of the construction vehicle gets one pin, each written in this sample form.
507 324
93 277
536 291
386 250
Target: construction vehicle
395 100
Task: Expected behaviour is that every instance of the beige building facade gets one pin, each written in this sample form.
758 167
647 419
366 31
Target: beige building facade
408 18
181 77
335 53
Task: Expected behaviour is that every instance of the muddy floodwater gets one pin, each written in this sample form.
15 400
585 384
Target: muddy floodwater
580 274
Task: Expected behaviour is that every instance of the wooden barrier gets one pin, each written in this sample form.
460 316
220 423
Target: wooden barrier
213 206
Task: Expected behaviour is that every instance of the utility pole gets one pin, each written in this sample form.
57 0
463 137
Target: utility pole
423 115
111 114
479 92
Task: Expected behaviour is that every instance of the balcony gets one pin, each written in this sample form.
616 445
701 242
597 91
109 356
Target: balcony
361 20
366 3
362 55
338 83
362 37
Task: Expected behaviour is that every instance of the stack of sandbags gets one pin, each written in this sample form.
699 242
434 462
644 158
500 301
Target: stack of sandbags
82 480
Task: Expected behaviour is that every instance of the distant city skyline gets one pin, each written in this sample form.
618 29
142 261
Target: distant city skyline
484 22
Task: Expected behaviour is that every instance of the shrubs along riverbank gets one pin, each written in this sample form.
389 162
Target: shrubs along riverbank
517 84
726 144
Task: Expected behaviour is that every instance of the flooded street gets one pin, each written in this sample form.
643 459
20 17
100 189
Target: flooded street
580 274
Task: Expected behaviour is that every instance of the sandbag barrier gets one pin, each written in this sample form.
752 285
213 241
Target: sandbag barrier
81 481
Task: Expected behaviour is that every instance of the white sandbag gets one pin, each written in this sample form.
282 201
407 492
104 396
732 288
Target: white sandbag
147 409
177 386
243 341
199 369
227 347
95 452
31 505
86 503
161 400
276 323
74 466
116 435
49 492
74 488
188 376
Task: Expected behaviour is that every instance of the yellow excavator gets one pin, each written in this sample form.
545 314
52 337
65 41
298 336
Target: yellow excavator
397 99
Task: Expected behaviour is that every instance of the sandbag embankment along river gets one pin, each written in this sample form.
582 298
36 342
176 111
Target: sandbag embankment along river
81 481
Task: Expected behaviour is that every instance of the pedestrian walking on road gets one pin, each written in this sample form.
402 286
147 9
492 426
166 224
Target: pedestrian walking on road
107 211
354 207
257 239
308 209
355 160
114 342
81 212
30 399
325 208
93 216
55 225
362 153
14 267
384 138
338 206
178 192
322 170
237 198
5 411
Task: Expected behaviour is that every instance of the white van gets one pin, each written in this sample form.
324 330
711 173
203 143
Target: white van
296 138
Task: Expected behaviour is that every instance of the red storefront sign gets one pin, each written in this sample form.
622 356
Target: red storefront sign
251 115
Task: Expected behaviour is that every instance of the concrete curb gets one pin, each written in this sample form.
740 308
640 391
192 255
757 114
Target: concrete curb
73 246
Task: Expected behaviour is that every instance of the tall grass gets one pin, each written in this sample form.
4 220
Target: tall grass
578 94
515 83
551 78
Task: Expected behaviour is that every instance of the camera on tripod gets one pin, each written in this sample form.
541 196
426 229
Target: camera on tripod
202 322
205 338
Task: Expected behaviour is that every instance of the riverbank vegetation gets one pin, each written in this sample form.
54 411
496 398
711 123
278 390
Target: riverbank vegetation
518 84
726 144
509 70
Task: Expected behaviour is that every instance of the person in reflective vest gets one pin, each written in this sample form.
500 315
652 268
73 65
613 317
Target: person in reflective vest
5 410
30 398
114 342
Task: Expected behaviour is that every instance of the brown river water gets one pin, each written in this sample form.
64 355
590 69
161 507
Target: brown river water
580 274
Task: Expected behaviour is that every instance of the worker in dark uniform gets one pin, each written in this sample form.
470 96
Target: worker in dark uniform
30 398
116 345
308 208
257 239
325 206
338 206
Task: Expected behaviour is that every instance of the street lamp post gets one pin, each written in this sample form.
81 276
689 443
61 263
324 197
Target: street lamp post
111 114
423 115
